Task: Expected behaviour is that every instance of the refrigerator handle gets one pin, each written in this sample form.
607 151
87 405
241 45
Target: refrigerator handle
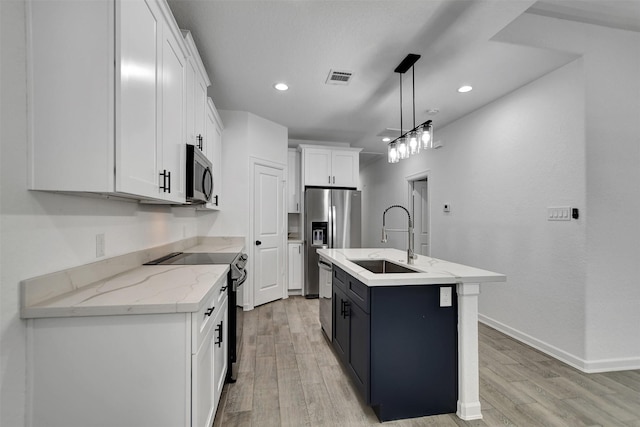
333 226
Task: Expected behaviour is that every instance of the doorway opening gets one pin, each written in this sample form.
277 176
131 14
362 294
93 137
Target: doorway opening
419 207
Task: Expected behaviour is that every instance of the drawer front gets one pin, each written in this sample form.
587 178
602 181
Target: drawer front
202 320
222 291
339 278
358 292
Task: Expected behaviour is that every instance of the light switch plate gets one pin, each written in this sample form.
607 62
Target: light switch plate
445 296
559 213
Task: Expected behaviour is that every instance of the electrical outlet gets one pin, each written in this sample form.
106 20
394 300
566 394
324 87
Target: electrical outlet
99 245
445 296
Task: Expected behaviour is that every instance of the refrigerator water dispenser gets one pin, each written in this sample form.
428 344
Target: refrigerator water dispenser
319 233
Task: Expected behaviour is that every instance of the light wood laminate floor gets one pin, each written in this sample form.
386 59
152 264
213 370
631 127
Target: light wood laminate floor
289 376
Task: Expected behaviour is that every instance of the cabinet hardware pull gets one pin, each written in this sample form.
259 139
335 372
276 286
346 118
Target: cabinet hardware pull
209 311
199 139
216 198
258 242
347 309
297 207
166 181
334 179
329 179
224 288
220 338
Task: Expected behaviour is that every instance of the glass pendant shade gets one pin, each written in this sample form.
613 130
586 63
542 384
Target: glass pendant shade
414 144
427 136
403 149
392 153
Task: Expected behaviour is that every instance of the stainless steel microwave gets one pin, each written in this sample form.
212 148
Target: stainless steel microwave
199 181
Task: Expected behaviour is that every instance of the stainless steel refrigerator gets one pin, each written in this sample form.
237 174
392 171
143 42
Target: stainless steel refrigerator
331 220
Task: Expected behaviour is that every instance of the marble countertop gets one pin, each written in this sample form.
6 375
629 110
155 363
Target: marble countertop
218 244
144 290
121 285
432 270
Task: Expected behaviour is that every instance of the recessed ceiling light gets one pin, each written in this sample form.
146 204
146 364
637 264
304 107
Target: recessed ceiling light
386 139
464 89
281 86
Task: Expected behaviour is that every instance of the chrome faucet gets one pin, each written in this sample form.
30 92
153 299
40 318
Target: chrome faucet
410 253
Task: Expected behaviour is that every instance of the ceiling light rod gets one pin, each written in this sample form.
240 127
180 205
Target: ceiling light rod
420 136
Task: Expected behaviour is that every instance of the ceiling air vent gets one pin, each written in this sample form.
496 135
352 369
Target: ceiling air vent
339 77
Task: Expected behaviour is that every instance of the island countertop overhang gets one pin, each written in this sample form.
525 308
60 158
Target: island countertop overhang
431 270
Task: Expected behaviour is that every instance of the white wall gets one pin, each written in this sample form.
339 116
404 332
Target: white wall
612 66
568 139
245 137
499 170
46 232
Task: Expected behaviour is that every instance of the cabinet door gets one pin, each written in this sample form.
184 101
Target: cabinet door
295 266
190 103
344 168
340 314
359 348
137 96
220 359
317 167
200 112
213 137
293 181
173 114
203 384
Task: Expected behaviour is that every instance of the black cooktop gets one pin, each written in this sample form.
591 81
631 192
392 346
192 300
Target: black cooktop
194 258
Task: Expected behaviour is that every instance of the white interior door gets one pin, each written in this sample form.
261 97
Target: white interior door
421 217
269 251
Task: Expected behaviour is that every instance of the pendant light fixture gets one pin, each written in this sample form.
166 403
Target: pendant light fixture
421 136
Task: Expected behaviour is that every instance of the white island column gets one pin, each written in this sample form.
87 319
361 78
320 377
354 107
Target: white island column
468 366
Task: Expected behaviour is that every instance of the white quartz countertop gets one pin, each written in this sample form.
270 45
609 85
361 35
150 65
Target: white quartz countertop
431 270
145 290
219 245
122 285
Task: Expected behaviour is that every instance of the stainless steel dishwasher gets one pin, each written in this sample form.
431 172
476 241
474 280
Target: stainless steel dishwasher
325 292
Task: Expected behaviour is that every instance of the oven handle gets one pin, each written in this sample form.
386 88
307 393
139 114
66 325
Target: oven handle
240 280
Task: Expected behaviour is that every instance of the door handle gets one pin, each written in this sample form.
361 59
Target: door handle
258 242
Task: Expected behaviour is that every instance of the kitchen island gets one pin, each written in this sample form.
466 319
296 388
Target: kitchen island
360 296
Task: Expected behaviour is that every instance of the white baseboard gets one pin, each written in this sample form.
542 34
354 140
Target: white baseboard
586 366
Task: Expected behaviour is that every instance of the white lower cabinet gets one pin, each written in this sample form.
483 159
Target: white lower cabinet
143 370
209 367
295 266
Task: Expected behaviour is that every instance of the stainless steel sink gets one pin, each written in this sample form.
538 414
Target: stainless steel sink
382 266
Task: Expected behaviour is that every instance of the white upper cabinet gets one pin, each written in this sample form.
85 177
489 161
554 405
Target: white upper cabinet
213 151
173 157
330 167
293 180
106 98
197 82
